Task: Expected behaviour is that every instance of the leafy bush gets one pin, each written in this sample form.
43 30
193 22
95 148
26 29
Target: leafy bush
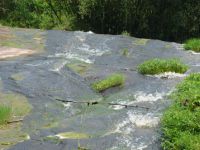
181 122
125 33
5 114
157 66
110 81
192 44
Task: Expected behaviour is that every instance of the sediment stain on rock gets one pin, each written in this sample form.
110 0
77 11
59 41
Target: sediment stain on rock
7 52
14 44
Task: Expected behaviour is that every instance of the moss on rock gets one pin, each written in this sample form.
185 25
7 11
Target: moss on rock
72 135
11 133
140 42
17 77
110 81
79 67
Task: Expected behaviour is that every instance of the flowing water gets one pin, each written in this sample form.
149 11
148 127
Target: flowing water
64 66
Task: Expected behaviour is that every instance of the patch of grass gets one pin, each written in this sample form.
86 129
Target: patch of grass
193 44
125 33
125 52
141 42
17 77
111 81
157 66
82 148
52 139
79 67
5 114
181 122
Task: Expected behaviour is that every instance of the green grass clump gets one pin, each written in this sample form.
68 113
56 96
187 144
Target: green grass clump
157 66
5 114
125 33
125 52
111 81
192 44
181 122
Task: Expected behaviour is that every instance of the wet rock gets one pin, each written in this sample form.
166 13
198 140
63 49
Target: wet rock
88 57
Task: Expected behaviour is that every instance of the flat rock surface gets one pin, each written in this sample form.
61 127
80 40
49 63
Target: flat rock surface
62 65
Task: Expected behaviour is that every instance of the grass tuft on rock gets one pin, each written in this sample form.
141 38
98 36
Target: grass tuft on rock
157 66
5 114
181 121
125 52
193 44
125 33
110 81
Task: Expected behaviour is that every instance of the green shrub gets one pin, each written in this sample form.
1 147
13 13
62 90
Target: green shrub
111 81
157 66
181 122
5 114
192 44
125 33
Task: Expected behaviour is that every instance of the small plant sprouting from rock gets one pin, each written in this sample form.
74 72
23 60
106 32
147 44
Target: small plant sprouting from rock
125 33
193 44
110 81
82 148
5 114
125 52
157 66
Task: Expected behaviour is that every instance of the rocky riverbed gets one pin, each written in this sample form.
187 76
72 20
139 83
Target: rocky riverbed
38 67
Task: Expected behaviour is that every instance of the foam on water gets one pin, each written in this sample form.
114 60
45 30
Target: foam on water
194 53
129 125
196 65
90 32
66 105
58 66
74 56
78 49
178 46
136 119
140 120
80 35
140 96
39 64
133 144
168 75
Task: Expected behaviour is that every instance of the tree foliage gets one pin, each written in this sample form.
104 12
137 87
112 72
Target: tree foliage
174 20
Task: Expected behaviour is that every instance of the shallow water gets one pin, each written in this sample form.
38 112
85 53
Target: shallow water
46 76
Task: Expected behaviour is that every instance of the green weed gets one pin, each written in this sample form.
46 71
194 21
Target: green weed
181 122
5 114
157 66
125 33
125 52
110 81
193 44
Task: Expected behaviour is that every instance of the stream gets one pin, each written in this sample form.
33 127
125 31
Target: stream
63 67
